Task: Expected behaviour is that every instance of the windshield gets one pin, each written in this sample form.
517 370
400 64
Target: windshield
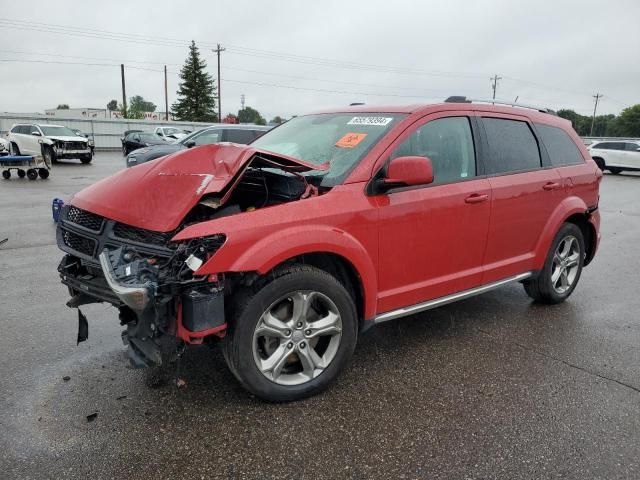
171 131
150 138
342 139
57 131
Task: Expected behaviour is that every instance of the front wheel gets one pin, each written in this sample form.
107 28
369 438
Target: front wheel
290 338
562 268
614 170
86 159
49 155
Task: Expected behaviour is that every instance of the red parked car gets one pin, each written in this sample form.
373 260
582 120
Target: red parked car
288 248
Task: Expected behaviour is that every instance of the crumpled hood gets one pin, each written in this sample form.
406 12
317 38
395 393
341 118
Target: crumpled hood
157 195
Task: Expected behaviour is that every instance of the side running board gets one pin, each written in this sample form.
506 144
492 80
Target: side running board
454 297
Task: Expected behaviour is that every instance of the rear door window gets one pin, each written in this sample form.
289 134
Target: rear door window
561 149
239 136
512 146
208 137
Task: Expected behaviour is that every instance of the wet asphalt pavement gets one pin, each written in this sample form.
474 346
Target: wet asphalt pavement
492 387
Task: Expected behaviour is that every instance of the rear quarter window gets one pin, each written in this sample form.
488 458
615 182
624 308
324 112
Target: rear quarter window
561 149
512 146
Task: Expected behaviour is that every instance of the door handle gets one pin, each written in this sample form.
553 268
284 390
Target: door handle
476 198
551 186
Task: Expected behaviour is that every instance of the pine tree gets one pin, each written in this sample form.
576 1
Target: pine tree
196 100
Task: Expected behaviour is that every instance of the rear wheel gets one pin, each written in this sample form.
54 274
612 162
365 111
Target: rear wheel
614 170
562 268
21 173
6 174
43 172
290 338
32 174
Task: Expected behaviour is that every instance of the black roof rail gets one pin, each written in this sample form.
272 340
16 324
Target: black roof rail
355 104
463 99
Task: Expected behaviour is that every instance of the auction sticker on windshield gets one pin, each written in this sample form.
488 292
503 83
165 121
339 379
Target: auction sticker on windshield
350 140
378 121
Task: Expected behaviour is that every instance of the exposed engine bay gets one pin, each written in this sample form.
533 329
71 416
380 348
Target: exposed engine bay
163 303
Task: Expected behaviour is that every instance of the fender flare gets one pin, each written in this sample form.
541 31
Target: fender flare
277 247
568 207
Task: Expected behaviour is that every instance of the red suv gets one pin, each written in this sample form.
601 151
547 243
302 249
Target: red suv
288 248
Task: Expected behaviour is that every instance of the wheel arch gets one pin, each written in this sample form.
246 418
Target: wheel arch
340 268
571 210
329 249
589 233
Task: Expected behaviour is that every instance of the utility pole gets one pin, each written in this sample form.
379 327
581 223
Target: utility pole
166 98
218 51
494 84
597 96
124 92
242 101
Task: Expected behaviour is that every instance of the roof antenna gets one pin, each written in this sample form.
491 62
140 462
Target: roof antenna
355 104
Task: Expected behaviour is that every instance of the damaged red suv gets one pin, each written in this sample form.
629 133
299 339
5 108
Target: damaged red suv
286 249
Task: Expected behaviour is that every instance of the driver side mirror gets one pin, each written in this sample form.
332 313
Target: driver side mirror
36 133
407 172
190 143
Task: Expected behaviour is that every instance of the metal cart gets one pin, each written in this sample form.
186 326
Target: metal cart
24 165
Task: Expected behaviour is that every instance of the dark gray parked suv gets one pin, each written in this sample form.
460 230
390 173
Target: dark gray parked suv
221 133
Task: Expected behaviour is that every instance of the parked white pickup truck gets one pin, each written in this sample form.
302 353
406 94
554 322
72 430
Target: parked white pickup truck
170 134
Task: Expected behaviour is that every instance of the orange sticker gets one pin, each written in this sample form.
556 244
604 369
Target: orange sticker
350 140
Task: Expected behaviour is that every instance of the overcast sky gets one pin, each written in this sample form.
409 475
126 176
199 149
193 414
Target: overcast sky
550 53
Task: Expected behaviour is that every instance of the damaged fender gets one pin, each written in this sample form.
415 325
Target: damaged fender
267 253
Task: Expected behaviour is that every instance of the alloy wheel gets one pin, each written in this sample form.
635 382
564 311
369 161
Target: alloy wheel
566 264
297 337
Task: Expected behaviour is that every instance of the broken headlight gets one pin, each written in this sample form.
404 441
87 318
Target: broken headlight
198 250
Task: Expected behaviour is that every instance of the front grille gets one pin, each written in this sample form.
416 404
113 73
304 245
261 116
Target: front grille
74 145
84 219
140 235
80 244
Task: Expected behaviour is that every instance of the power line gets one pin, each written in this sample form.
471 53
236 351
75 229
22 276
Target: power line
163 41
258 53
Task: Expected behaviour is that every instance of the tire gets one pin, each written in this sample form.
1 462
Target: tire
21 173
124 151
614 170
566 255
32 174
43 172
86 159
13 149
49 155
600 163
245 347
6 174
